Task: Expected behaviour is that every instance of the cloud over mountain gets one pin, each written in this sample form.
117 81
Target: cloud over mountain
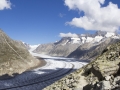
96 17
5 4
73 35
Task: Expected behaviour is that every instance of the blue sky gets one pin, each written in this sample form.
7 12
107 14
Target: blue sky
41 21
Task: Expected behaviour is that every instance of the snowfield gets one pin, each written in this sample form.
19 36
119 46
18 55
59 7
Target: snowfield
39 78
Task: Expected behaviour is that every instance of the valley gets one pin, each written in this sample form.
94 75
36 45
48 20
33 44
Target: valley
62 65
60 45
39 78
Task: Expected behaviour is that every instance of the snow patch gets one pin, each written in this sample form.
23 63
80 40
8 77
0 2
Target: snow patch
98 38
116 37
83 39
33 47
89 39
75 40
109 34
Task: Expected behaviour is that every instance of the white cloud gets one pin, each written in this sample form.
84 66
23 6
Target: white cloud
73 35
5 4
95 16
61 15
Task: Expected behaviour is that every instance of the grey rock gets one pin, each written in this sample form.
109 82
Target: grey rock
74 84
107 78
105 85
67 81
78 89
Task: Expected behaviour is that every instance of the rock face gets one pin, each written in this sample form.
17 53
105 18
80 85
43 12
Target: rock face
101 74
14 57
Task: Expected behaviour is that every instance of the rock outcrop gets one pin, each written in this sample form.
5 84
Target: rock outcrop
101 74
14 57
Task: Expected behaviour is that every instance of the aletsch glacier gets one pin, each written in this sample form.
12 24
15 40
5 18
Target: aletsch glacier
56 67
39 78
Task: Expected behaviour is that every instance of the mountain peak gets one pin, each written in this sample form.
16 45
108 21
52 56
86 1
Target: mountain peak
100 33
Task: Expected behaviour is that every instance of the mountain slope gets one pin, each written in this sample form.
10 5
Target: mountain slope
90 51
14 57
62 48
44 48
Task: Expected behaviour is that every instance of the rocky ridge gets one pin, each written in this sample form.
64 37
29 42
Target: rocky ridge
101 74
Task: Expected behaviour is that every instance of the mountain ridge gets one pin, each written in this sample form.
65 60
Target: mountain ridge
14 57
68 45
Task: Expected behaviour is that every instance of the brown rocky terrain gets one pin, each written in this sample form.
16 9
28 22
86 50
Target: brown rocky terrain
14 57
101 74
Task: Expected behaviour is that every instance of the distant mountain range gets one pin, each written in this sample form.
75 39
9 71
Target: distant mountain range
85 46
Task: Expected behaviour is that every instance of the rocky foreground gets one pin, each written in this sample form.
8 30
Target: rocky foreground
101 74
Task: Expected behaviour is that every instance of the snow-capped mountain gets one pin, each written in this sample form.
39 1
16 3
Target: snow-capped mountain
86 38
97 37
68 40
67 45
90 51
94 45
